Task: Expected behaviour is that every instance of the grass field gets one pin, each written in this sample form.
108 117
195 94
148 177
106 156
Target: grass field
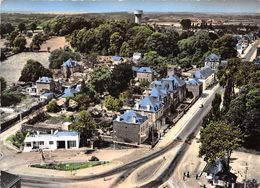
70 166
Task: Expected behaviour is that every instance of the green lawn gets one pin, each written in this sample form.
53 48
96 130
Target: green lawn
70 166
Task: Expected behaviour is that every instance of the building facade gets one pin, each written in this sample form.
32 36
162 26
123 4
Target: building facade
44 84
57 140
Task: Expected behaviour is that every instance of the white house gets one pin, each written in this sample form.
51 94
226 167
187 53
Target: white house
57 140
205 75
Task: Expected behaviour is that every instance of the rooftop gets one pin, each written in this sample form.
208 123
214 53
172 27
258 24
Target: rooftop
212 57
145 70
132 117
44 79
204 72
150 102
69 63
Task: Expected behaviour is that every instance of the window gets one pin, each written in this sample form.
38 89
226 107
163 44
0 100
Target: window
41 143
28 144
50 142
71 144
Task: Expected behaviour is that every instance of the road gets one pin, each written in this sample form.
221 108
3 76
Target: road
127 169
249 56
175 152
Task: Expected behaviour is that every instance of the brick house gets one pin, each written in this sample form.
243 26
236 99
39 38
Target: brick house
131 127
44 84
145 74
194 87
212 61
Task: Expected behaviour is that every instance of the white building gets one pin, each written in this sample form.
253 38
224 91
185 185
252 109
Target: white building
212 61
57 140
46 97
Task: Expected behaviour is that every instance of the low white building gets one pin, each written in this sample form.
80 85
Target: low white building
57 140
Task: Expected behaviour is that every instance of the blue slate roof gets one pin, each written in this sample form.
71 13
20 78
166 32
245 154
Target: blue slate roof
69 63
193 82
44 79
204 73
67 133
117 58
212 58
153 103
145 70
132 117
47 94
69 92
158 92
177 81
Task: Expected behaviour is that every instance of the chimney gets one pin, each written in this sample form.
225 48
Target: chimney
148 107
133 119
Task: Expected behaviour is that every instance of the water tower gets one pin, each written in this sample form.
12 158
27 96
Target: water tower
138 15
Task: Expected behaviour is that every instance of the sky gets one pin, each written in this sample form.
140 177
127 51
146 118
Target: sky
252 6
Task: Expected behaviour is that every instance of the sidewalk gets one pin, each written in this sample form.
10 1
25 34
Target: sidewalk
178 127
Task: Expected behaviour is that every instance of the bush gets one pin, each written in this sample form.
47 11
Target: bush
112 103
18 138
11 98
53 106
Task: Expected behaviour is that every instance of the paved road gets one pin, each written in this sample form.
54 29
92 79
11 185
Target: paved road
251 52
31 181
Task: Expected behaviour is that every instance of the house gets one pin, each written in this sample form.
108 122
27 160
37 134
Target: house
176 84
31 90
46 96
131 127
153 109
69 67
44 84
57 140
117 60
137 56
212 61
218 174
194 88
206 75
145 74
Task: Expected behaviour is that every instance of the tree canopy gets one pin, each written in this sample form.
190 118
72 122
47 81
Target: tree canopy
58 56
218 139
85 125
32 71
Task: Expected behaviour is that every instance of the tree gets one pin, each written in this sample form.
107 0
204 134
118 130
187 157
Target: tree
158 42
3 57
100 79
116 41
37 41
21 27
83 100
53 106
227 95
58 56
120 79
126 50
3 84
32 71
85 125
33 26
244 112
19 43
226 46
6 28
216 106
218 140
112 103
12 37
185 23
